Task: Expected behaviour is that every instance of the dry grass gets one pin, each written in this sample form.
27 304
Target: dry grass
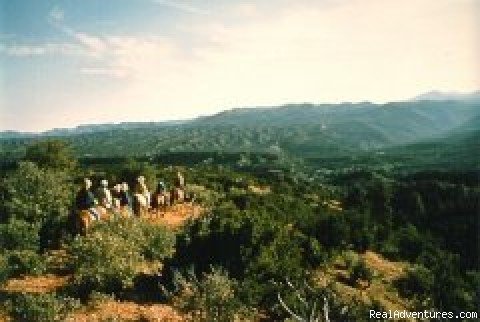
260 190
35 284
126 311
379 290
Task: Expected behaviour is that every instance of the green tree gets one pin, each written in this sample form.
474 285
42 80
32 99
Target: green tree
38 196
51 154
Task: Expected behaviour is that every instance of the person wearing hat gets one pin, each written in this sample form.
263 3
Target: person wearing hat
85 200
117 189
179 180
161 198
125 197
104 194
142 197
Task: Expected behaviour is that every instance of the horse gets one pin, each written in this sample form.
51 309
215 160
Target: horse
161 201
141 203
177 195
85 218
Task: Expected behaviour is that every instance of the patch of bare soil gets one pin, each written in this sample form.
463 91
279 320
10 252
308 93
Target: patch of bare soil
4 317
126 311
175 216
388 270
260 190
35 284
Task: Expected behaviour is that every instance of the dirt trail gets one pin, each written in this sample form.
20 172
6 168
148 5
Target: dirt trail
175 216
35 284
126 311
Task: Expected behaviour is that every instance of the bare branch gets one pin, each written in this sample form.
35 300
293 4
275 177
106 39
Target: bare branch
295 316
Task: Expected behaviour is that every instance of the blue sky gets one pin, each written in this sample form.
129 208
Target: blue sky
70 62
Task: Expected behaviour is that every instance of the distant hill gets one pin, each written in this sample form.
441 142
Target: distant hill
303 130
448 96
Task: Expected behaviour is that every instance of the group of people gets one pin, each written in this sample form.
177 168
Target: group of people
119 198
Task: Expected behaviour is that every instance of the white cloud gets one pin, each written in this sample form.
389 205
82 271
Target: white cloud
380 50
182 6
56 15
17 50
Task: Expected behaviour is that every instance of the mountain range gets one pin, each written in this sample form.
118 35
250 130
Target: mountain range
306 130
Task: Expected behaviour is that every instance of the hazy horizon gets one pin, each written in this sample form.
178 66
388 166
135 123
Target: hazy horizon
186 119
64 64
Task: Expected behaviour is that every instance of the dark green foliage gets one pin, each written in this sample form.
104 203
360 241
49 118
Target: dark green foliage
45 307
359 271
5 271
417 282
41 197
25 262
34 194
132 169
19 234
252 246
159 242
51 153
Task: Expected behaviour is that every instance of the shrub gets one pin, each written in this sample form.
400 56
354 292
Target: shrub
417 281
209 298
40 196
4 269
103 262
19 234
26 262
108 258
360 271
159 242
154 242
40 307
34 194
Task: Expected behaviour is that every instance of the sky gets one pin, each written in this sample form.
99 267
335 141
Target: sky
70 62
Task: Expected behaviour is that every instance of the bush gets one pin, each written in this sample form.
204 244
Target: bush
34 194
154 242
25 262
19 234
210 298
359 271
159 242
4 269
40 307
103 262
108 258
418 281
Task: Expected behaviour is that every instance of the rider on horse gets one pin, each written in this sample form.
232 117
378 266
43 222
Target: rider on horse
125 197
104 195
179 180
85 199
142 197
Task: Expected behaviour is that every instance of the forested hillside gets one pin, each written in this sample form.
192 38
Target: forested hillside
348 240
303 130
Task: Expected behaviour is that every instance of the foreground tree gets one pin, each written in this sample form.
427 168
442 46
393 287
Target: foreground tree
38 196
